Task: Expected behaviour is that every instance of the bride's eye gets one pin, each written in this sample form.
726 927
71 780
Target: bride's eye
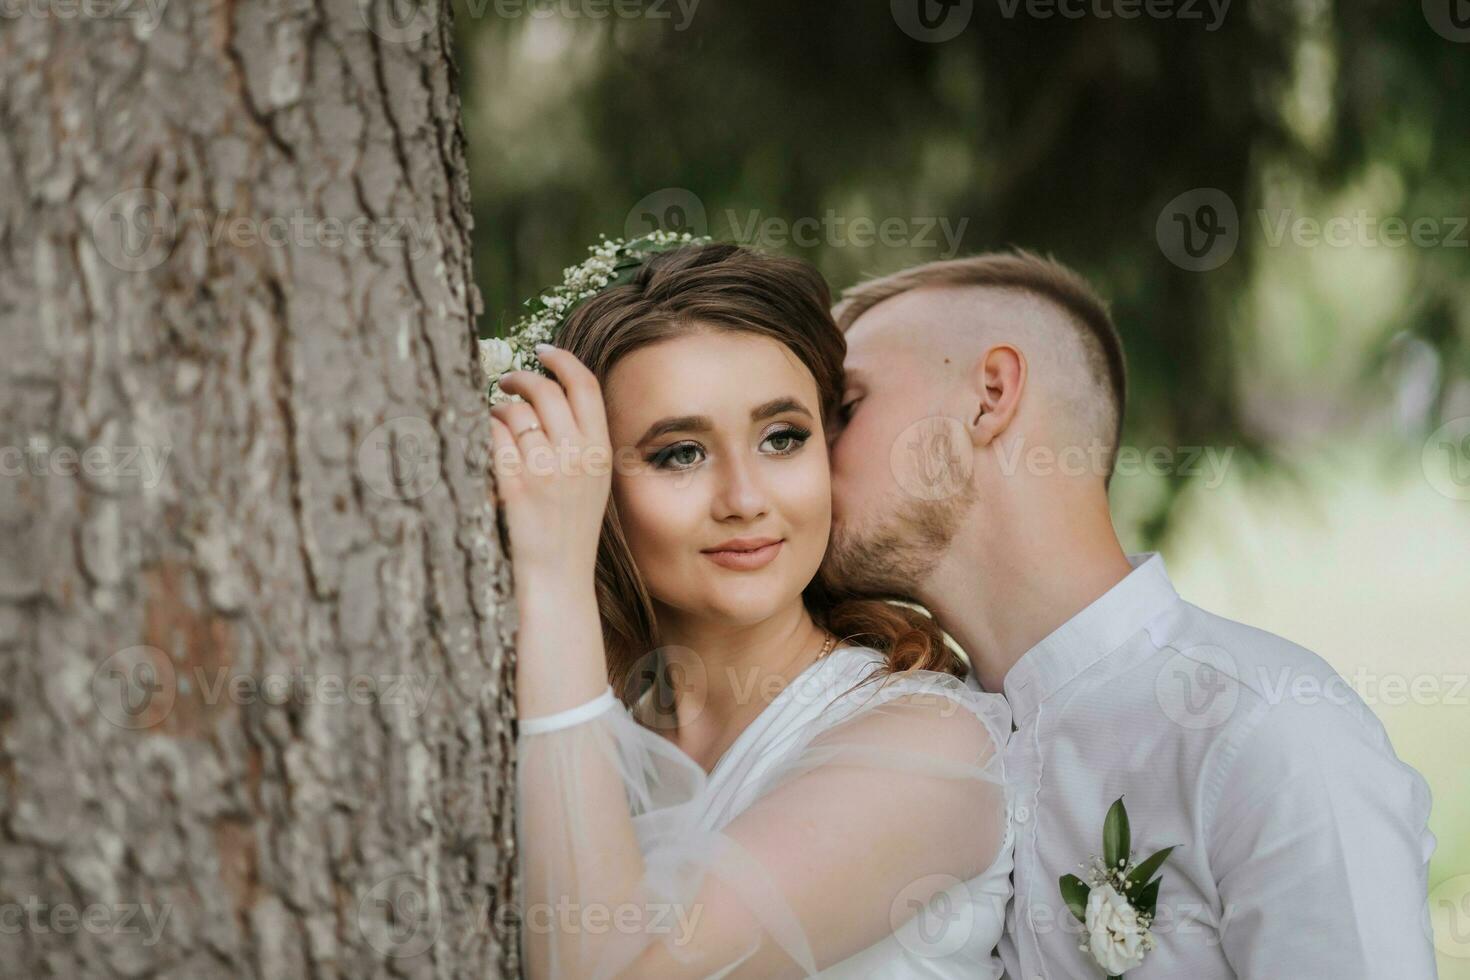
791 438
679 456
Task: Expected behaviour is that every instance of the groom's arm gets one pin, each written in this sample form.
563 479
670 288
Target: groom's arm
1319 844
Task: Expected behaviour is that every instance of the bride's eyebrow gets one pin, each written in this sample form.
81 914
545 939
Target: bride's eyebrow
702 423
777 406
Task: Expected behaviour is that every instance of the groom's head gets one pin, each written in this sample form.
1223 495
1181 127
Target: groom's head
976 387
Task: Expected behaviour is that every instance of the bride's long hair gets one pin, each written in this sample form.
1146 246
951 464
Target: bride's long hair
729 287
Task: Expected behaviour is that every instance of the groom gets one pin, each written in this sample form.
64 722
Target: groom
969 474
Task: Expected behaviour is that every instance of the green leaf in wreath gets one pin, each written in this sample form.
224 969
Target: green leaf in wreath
1074 893
1145 870
1148 896
1115 835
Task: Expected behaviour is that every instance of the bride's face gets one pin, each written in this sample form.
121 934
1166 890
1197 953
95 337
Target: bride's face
727 432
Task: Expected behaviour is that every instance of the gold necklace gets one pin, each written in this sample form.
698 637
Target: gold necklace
827 644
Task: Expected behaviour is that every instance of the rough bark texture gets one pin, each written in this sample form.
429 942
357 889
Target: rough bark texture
254 618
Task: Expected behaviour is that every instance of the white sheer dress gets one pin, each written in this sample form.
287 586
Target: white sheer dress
845 833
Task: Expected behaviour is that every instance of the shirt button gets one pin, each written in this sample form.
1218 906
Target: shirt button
1023 813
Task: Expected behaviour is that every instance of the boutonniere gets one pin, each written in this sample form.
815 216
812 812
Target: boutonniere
1116 903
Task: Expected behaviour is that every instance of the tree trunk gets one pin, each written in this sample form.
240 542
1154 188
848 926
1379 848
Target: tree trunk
255 628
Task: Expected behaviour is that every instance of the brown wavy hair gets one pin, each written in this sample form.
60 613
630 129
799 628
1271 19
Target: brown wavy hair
729 287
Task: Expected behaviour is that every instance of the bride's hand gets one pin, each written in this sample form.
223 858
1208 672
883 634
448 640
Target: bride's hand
553 462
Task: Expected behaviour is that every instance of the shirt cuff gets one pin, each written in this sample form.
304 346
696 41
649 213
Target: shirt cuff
570 716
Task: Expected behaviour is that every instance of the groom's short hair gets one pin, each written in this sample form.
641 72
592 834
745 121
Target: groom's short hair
1039 276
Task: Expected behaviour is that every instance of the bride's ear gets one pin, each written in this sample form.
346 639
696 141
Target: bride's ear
993 392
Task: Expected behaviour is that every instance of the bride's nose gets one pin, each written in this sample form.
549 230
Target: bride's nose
739 494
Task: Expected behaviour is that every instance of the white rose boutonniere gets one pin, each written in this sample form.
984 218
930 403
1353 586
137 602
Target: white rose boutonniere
1114 933
1117 901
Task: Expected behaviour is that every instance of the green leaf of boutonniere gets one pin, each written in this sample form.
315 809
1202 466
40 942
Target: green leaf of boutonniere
1148 897
1074 893
1115 835
1145 871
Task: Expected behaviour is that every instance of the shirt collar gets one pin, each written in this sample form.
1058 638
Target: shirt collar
1089 636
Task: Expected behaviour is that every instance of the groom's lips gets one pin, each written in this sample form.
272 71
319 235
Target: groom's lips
744 554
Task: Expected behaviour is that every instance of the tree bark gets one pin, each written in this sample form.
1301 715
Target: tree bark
255 616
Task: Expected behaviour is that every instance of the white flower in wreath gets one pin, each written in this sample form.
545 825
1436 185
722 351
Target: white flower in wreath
496 357
1115 937
613 262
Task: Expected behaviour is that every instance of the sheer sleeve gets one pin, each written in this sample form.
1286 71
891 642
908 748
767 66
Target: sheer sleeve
894 791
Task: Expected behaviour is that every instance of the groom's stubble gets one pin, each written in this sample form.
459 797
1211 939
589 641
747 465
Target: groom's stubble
901 549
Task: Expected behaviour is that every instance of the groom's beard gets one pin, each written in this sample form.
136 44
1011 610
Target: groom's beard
891 559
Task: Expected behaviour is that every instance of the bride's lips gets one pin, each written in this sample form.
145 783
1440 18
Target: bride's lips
744 554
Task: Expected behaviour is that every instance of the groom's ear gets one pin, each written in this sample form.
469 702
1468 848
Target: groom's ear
995 384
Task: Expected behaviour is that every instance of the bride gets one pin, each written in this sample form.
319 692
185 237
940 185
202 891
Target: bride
715 778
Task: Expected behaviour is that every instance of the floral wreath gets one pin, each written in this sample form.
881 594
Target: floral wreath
614 262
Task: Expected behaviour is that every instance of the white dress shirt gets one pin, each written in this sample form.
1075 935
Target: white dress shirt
1303 841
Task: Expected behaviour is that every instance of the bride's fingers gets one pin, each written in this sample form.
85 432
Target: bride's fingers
548 400
583 392
523 423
